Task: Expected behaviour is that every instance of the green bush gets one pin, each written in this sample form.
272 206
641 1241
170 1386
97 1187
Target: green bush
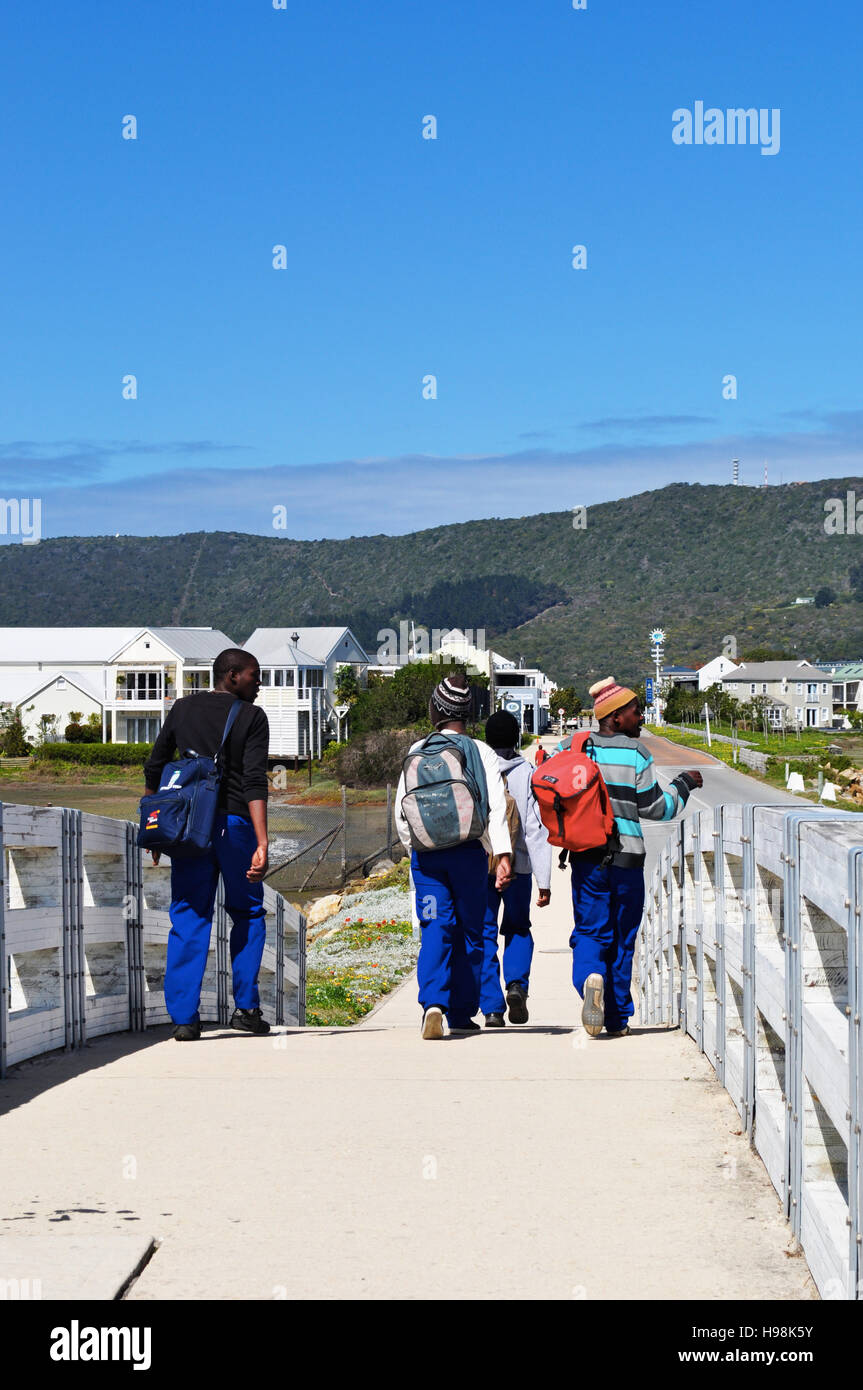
330 757
81 733
110 754
13 743
402 700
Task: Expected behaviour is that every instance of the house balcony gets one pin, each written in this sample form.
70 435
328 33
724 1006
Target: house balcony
126 699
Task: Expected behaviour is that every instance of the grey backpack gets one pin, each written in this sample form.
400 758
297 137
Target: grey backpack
445 800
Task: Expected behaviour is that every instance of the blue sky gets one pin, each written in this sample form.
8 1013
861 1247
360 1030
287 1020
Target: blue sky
302 387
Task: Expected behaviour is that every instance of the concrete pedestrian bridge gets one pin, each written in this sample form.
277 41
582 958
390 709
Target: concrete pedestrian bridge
714 1153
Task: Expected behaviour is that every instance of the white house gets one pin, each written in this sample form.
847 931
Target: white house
51 693
713 672
129 676
847 677
798 694
298 677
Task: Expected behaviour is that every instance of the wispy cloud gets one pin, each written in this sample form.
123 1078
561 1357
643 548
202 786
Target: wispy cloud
393 496
67 460
646 422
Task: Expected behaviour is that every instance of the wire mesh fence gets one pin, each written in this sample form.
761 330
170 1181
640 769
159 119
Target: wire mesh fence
320 847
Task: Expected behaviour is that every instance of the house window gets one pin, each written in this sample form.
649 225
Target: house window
752 688
824 690
61 682
265 677
764 688
278 677
811 690
799 687
142 730
311 678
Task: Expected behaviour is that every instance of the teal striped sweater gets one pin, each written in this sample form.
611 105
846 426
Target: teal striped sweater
629 774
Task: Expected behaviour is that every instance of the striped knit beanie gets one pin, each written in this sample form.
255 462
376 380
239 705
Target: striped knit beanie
609 696
452 700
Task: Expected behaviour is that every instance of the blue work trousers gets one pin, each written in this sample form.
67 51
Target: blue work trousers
517 942
193 895
450 903
607 906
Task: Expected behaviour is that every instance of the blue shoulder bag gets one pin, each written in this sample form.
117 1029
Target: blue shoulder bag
178 819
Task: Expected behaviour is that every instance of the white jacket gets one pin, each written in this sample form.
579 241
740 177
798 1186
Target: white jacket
496 837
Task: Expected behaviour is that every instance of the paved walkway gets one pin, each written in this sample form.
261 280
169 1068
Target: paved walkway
529 1163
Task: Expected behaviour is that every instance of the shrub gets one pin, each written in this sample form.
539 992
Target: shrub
13 743
330 757
109 754
375 758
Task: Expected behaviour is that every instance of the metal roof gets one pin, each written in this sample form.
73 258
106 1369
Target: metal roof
193 643
21 646
18 686
774 671
314 645
847 671
57 645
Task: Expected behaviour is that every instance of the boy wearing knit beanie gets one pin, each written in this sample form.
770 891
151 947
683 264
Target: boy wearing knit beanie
608 884
451 884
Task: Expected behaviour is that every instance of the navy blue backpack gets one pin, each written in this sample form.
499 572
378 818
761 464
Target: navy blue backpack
178 819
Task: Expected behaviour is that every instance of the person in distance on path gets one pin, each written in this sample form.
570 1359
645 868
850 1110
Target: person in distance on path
240 845
531 858
608 886
451 883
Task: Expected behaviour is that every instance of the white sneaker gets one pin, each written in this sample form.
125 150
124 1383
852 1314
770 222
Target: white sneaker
432 1026
593 1010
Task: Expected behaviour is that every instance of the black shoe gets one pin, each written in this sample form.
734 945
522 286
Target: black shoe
249 1021
187 1032
466 1025
516 1002
495 1021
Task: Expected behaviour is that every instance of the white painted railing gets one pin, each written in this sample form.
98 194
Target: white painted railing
752 944
83 933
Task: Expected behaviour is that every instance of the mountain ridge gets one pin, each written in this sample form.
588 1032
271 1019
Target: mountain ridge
704 561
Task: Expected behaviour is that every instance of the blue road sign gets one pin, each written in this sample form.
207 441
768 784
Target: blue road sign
648 689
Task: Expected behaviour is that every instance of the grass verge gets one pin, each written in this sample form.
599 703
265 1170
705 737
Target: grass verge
775 774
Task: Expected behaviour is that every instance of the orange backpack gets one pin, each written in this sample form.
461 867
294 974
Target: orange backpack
572 798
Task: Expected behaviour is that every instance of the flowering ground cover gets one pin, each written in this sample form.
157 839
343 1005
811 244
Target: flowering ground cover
348 971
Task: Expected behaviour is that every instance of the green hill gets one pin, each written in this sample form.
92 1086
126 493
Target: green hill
702 562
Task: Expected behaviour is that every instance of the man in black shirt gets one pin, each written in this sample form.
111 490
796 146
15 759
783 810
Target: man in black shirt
195 724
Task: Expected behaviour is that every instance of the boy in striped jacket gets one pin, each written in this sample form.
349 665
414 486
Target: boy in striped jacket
608 886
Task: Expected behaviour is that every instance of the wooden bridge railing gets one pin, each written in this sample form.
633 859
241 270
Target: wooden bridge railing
83 934
752 943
